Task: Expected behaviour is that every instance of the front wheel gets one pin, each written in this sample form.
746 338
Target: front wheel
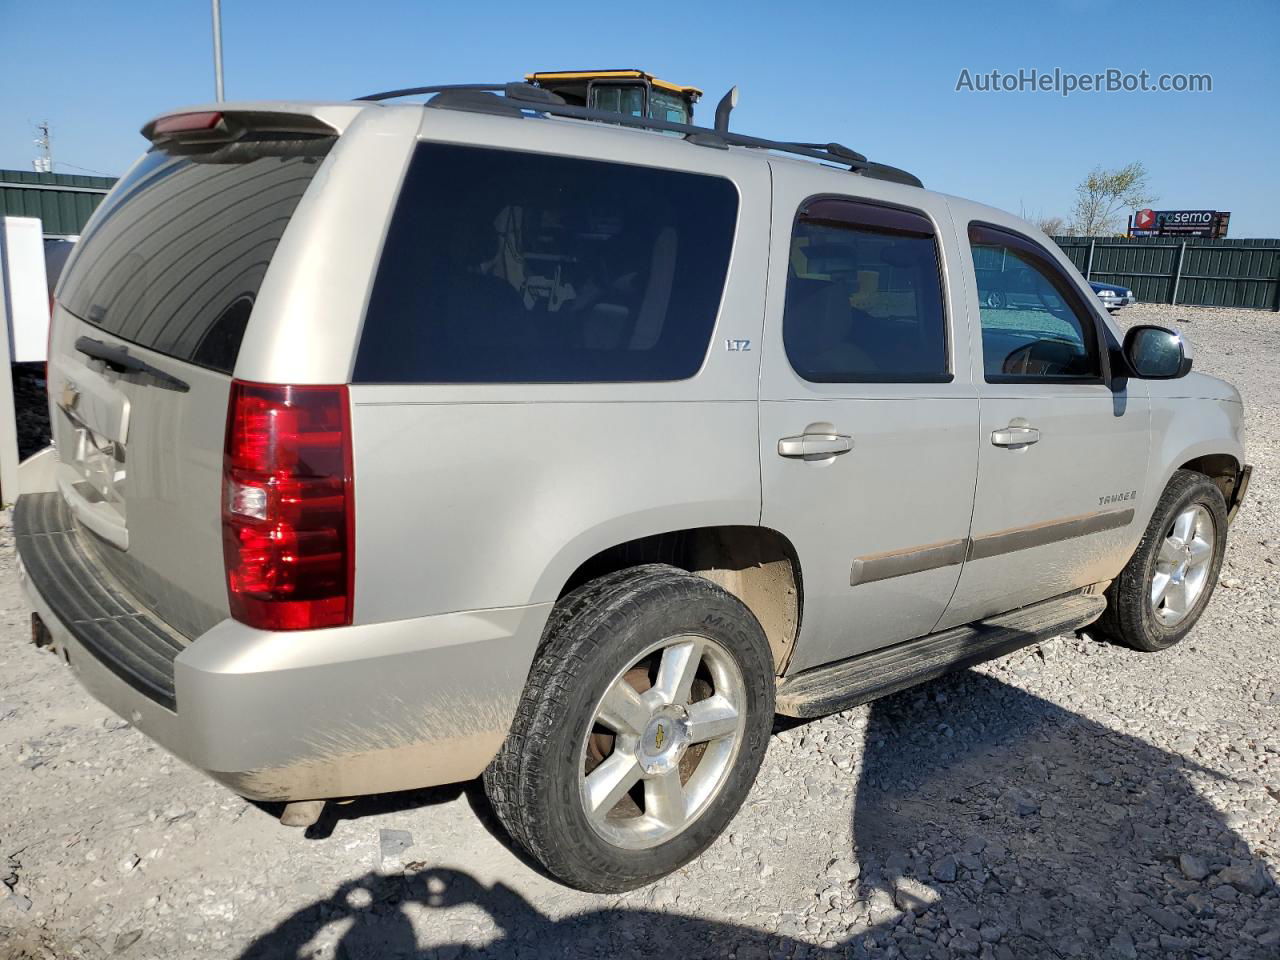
1166 585
644 720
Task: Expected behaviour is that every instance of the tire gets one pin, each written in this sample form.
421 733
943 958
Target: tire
1133 616
537 784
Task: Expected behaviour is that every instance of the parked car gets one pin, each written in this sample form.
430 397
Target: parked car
997 292
402 444
1112 295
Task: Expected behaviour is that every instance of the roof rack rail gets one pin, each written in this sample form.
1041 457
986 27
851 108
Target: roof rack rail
515 90
519 98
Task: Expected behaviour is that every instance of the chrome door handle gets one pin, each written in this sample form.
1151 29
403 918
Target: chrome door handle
1015 436
814 446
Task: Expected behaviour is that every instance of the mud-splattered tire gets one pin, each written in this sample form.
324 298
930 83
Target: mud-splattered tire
1166 585
642 726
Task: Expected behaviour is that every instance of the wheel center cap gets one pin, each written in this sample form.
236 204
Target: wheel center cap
664 740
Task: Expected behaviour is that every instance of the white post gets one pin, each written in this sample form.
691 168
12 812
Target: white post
1177 274
217 51
8 415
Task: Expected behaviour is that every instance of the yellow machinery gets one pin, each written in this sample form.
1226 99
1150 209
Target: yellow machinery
632 92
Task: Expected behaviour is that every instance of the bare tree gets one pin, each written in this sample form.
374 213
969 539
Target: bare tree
1103 194
1054 226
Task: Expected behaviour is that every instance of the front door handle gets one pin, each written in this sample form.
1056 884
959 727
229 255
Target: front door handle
1015 435
814 446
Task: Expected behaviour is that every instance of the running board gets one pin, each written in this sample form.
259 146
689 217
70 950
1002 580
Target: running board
847 683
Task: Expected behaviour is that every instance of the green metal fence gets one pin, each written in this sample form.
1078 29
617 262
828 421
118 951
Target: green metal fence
63 202
1210 273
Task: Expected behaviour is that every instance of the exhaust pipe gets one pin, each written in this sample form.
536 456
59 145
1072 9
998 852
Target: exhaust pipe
724 108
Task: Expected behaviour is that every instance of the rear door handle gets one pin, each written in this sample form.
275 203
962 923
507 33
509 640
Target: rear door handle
814 446
1015 436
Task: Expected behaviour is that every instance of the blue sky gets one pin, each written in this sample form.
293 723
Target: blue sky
878 77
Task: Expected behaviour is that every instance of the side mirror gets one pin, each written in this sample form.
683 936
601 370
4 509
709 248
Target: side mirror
1154 353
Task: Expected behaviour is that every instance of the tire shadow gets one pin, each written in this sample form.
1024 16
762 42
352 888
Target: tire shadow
1021 830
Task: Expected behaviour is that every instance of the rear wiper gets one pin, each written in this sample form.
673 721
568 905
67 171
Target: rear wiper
122 361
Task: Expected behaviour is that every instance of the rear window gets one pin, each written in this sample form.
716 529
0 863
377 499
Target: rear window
178 252
505 267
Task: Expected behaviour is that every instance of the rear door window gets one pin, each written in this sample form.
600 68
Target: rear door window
507 267
864 296
176 256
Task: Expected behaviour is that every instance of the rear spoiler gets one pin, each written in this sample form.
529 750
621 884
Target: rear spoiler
223 123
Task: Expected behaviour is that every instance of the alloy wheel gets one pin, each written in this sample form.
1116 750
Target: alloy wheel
662 741
1182 565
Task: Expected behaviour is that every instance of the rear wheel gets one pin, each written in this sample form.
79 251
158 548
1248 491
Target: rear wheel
642 726
1166 585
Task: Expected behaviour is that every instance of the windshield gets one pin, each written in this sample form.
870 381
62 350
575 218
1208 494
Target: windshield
625 98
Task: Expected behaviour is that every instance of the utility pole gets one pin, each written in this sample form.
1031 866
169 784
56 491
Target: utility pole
44 162
217 50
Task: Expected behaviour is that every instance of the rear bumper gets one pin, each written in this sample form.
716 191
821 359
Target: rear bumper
299 715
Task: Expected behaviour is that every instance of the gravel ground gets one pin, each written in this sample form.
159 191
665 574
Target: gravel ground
1071 800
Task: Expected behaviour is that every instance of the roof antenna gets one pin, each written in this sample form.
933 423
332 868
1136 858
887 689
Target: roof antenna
724 108
44 162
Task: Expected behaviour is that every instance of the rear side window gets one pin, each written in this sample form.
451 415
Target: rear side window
179 250
864 296
506 267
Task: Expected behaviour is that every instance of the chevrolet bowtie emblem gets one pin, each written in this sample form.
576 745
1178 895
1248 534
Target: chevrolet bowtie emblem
658 737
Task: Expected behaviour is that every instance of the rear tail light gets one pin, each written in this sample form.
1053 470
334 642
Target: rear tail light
288 514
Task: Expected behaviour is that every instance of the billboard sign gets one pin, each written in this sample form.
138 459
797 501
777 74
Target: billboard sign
1183 223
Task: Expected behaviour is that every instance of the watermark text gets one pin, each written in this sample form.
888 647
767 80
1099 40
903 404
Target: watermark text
1065 83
